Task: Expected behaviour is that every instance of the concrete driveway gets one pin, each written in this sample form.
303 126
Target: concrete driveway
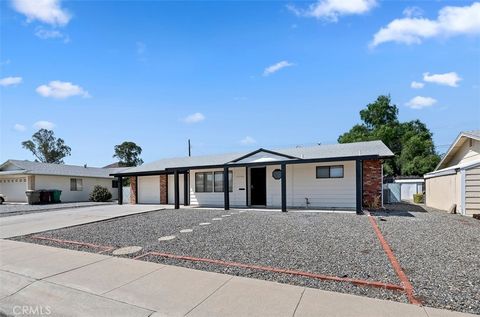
38 222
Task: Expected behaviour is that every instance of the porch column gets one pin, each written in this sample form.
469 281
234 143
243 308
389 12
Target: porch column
284 186
186 189
226 194
176 187
358 183
136 189
120 190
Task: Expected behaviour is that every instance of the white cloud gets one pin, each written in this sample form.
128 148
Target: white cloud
19 127
451 21
412 12
420 102
45 34
46 11
416 85
61 90
331 10
10 81
276 67
248 140
449 79
194 118
44 125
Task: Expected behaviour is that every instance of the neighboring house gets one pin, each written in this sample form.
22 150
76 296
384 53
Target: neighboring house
402 188
75 182
455 182
336 176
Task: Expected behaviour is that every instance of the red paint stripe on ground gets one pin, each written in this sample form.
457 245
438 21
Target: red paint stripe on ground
83 244
393 260
357 282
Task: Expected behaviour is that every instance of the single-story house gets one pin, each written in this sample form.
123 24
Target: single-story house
340 176
75 182
455 182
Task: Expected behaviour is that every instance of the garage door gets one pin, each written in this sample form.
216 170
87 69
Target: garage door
14 189
149 190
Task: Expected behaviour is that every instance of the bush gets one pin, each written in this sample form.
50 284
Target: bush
418 198
100 193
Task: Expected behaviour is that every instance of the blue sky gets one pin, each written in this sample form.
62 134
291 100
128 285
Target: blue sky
230 75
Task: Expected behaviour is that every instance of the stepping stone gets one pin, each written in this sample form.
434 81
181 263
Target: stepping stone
166 238
186 230
225 215
217 219
127 250
204 223
241 211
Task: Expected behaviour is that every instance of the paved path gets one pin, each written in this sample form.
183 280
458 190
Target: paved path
72 283
37 222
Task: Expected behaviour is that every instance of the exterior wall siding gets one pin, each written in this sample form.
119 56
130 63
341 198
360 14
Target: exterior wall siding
372 183
472 191
466 153
63 183
442 191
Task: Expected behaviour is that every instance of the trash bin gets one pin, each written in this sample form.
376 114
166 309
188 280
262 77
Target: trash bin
56 196
44 197
33 197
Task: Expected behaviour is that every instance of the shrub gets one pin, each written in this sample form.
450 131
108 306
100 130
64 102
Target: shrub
418 198
100 193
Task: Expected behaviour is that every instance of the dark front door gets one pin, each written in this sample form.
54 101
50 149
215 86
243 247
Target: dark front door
258 186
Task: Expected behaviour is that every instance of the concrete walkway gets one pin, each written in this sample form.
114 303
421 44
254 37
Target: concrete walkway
37 222
59 282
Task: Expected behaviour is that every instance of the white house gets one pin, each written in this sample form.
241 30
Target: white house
75 182
340 176
455 182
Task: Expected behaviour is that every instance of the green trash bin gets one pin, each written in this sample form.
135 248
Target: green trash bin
56 196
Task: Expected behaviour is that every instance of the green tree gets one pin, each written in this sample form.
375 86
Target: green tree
411 142
129 154
46 147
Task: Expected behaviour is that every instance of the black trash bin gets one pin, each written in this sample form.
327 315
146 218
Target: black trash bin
33 197
44 197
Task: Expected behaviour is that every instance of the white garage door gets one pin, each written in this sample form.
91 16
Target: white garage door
14 189
149 189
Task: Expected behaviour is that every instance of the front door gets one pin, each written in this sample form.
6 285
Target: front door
258 186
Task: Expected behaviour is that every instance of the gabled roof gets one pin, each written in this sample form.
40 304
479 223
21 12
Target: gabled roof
457 144
453 169
345 150
38 168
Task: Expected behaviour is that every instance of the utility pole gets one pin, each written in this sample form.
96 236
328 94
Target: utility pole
189 148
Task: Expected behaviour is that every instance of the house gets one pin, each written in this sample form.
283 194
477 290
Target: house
340 176
455 182
75 182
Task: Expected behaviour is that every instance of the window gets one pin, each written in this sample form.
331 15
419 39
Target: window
76 184
219 181
114 183
330 171
204 182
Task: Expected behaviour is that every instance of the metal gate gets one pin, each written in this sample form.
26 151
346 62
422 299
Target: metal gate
391 193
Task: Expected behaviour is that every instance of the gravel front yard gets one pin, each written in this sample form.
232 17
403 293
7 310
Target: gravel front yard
439 252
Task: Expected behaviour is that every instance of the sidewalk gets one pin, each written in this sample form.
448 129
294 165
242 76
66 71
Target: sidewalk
70 283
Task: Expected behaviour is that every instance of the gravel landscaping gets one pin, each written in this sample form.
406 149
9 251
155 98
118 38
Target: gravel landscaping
439 252
13 209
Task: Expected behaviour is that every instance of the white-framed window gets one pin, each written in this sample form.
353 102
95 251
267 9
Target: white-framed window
335 171
204 182
219 181
76 184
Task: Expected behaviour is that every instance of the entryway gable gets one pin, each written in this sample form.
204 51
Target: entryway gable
261 156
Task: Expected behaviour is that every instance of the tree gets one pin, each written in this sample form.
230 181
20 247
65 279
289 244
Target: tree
129 154
46 147
411 142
